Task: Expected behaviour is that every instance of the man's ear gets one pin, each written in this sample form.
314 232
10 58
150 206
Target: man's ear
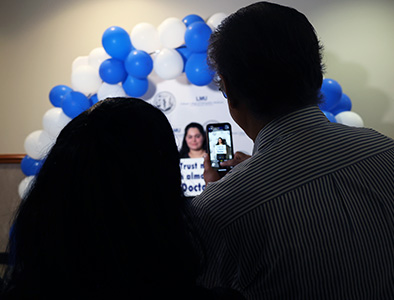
223 83
231 101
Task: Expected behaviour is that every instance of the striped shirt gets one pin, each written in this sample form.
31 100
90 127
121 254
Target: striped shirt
309 216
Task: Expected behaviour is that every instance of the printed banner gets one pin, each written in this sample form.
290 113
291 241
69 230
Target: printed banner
192 170
183 103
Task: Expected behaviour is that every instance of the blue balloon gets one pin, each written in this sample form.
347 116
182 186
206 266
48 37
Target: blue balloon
31 166
190 19
330 116
139 64
197 36
116 42
112 71
185 53
331 92
93 100
345 104
135 87
74 103
57 93
197 70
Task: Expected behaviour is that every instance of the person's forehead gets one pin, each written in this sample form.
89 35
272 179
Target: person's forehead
193 130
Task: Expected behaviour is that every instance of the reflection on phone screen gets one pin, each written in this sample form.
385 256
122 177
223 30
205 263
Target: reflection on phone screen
220 144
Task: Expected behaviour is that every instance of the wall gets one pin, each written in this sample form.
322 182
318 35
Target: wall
40 39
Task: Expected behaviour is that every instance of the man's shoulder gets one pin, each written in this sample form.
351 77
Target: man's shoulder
236 179
225 198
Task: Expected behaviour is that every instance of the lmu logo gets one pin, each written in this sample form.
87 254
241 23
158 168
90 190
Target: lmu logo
201 98
165 101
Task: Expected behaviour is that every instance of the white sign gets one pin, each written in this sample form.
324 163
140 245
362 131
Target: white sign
192 170
220 149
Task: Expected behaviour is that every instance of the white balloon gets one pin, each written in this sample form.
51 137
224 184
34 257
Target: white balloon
168 64
38 143
172 33
24 185
86 79
110 90
349 118
215 20
79 61
54 121
144 36
97 56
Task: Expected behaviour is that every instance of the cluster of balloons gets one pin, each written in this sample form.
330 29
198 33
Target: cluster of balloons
337 106
122 65
120 68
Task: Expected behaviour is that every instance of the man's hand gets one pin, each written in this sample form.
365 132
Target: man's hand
210 174
238 158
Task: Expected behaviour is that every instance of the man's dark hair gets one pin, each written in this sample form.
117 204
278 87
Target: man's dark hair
270 57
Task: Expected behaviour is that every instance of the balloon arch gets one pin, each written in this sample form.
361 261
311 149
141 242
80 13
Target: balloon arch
122 66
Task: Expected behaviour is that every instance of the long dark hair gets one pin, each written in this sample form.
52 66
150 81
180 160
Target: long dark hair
104 214
184 151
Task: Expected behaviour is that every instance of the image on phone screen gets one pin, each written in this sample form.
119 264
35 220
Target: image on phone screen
220 144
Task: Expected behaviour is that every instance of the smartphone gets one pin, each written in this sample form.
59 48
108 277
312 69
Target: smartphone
220 144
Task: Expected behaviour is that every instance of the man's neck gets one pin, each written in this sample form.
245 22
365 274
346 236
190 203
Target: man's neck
253 126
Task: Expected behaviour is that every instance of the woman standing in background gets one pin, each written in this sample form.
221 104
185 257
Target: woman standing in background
194 143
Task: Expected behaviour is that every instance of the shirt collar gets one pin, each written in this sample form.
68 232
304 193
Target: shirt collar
294 121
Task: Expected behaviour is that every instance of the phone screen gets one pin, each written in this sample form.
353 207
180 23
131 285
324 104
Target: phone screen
220 144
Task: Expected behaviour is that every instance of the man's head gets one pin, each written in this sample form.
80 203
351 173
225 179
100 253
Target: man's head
269 58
